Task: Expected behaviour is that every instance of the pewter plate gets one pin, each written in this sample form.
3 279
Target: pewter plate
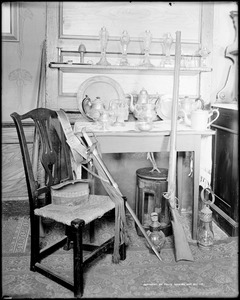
164 107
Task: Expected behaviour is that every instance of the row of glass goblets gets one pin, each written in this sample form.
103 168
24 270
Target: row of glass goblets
147 40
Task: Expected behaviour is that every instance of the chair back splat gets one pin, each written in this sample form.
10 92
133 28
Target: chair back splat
52 156
53 152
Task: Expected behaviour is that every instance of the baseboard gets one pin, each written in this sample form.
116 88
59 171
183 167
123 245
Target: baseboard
226 223
11 208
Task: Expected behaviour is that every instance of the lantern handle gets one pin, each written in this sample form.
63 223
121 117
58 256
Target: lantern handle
207 201
175 204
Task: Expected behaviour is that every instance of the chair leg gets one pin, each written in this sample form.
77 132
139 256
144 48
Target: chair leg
35 243
122 251
41 229
69 234
92 231
77 226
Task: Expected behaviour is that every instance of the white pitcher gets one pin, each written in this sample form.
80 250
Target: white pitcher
200 118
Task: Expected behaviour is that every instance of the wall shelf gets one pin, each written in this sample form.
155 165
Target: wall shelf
85 68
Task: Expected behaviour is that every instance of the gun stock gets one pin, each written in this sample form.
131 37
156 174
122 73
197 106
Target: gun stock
182 249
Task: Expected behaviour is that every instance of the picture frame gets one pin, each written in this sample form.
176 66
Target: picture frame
10 22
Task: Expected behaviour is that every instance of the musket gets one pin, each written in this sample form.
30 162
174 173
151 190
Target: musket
182 249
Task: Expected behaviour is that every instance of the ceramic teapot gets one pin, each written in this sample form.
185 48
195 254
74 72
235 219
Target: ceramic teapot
143 98
199 119
94 108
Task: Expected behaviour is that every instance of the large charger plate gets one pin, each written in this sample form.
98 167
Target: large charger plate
164 107
99 86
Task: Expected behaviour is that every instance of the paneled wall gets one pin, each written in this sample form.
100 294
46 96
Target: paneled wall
21 68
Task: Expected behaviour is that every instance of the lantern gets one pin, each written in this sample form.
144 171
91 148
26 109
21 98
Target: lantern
155 234
205 236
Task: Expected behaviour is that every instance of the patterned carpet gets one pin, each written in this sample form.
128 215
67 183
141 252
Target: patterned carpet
212 274
16 233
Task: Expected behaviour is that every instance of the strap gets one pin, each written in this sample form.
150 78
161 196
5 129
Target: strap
79 151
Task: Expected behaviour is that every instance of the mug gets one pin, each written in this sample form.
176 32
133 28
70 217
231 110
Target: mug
199 118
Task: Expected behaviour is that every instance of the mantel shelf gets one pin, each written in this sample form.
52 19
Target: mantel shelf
85 68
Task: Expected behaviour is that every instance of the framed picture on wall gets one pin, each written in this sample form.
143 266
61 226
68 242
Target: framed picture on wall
10 22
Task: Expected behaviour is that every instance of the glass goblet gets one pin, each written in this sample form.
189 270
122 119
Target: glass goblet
167 43
121 110
147 45
103 35
124 40
204 52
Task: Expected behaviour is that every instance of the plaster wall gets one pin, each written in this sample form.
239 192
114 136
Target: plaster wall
21 61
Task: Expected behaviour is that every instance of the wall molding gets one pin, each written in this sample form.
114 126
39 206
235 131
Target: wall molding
9 133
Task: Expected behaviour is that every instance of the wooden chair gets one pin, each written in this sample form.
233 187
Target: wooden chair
54 155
